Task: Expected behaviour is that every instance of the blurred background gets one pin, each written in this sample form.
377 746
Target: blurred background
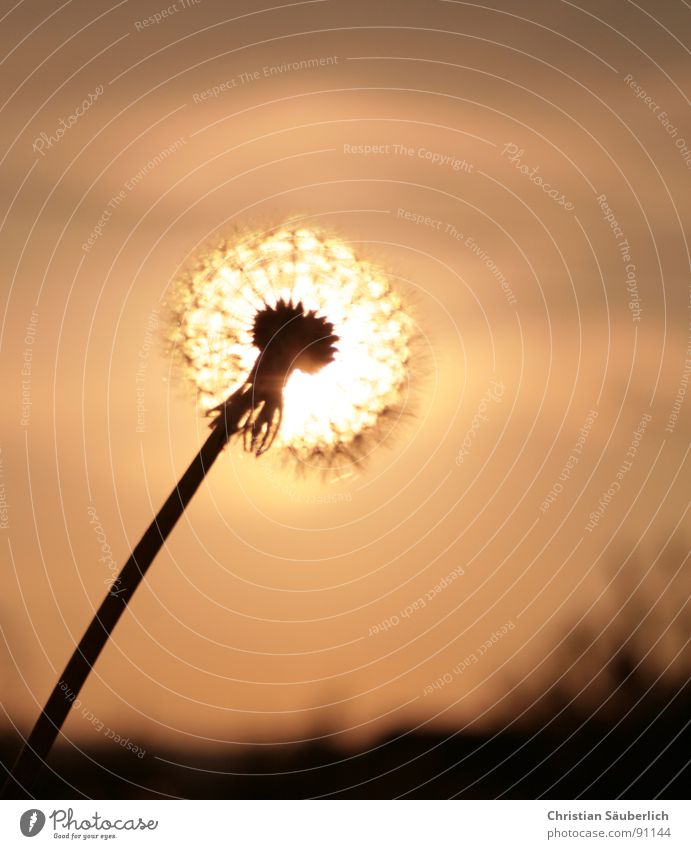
497 603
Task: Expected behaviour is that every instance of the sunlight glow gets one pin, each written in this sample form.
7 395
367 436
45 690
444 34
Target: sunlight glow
218 300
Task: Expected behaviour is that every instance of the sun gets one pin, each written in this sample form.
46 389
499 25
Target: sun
301 296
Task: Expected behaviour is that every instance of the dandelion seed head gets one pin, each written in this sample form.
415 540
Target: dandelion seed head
226 309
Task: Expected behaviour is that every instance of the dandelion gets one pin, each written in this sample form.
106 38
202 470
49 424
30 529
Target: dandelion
291 341
312 339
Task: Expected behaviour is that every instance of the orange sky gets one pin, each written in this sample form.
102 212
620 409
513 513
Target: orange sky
263 618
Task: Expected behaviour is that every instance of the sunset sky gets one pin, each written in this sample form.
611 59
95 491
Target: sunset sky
522 172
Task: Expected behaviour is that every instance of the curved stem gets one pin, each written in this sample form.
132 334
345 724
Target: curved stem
20 782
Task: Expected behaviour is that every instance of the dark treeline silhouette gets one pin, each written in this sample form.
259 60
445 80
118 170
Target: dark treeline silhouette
614 722
642 758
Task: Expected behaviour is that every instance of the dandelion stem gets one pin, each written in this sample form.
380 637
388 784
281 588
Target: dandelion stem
21 780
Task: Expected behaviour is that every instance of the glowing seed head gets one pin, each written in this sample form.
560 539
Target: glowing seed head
301 297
